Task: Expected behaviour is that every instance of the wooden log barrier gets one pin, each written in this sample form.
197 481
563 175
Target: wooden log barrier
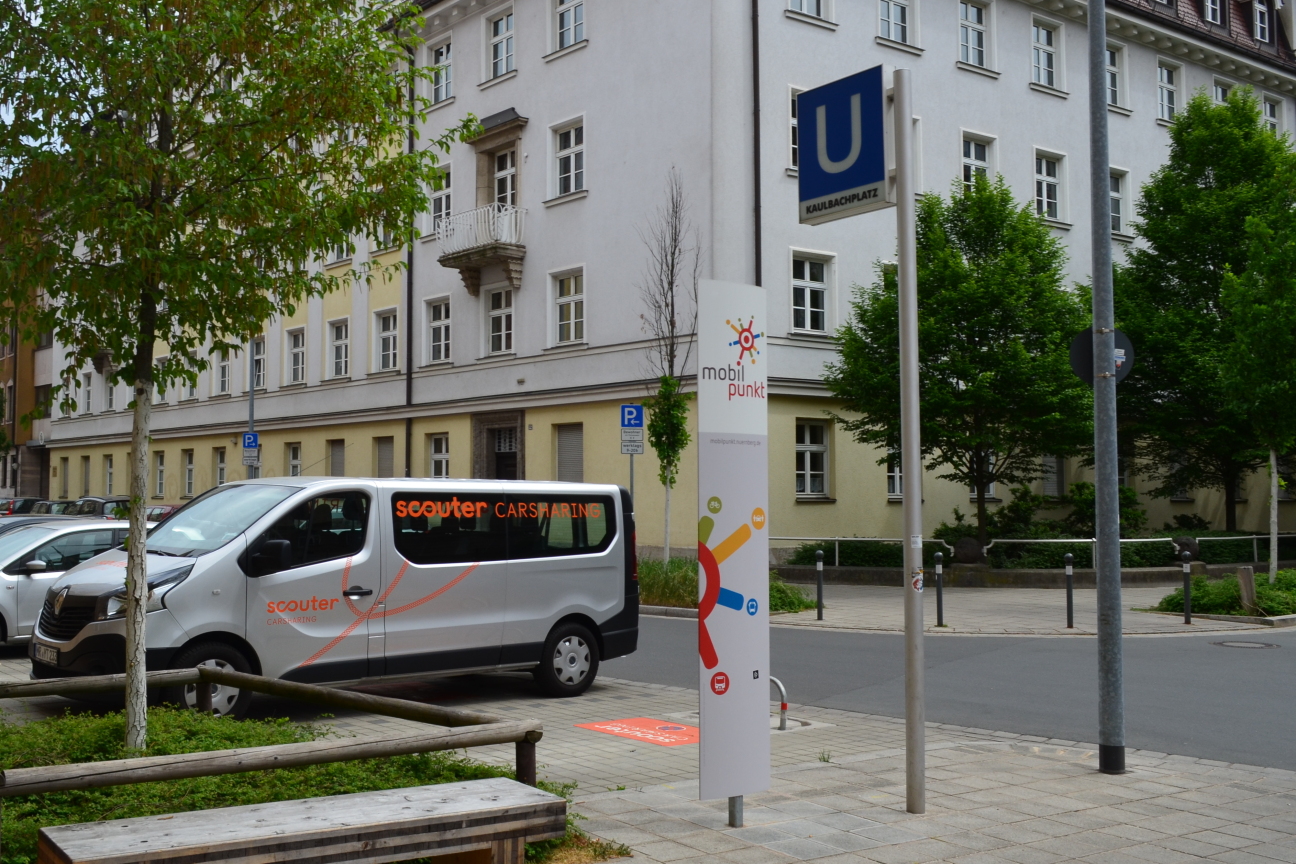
87 684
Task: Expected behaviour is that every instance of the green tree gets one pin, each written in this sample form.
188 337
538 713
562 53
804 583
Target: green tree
170 172
994 330
1261 302
1177 405
668 435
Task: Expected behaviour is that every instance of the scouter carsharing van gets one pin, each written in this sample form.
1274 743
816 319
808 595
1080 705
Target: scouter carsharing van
339 581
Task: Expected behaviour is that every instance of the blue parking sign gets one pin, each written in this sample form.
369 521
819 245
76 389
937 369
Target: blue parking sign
843 142
251 440
632 416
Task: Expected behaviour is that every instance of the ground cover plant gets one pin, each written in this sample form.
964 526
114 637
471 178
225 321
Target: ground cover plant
1223 597
90 737
675 583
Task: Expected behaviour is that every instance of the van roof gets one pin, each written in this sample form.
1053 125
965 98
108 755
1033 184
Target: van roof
303 482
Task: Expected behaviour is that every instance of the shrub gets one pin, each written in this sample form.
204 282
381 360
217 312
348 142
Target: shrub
859 554
788 598
1224 597
668 583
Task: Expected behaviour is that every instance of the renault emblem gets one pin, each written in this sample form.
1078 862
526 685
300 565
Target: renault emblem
58 601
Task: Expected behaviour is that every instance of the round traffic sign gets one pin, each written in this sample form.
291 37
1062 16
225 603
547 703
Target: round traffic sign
1082 358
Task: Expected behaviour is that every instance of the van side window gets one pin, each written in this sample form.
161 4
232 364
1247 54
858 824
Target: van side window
323 528
440 528
547 526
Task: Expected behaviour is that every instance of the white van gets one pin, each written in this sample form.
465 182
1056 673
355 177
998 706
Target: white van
339 581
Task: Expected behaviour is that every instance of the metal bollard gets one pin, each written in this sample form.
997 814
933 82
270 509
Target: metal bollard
1187 574
940 597
782 703
1070 574
819 582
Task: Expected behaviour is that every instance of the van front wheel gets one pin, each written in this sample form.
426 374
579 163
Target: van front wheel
569 662
226 701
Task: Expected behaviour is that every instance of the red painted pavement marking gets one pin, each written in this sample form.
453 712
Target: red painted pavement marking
660 732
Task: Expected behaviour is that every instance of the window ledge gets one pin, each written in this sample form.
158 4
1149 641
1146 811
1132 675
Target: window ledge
972 67
810 335
815 499
1052 91
439 105
220 396
567 346
563 199
341 379
563 52
296 385
810 19
794 172
429 237
1119 109
1121 237
895 499
1161 121
159 497
496 358
437 364
341 262
1187 500
383 250
899 46
1056 223
507 76
990 499
385 373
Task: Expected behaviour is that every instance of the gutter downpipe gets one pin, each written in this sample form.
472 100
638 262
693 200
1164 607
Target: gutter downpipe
756 141
409 308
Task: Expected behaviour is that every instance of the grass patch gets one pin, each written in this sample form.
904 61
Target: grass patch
96 738
675 583
1224 597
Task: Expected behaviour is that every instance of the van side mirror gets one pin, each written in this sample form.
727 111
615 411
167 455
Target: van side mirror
36 566
273 556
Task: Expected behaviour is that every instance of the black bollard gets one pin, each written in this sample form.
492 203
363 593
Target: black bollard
819 582
1070 574
1187 573
940 598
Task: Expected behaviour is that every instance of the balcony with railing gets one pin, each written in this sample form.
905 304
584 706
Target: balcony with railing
479 238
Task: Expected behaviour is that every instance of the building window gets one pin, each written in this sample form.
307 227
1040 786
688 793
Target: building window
159 385
159 475
972 34
63 477
1113 75
297 356
1212 11
1221 91
336 450
571 160
976 161
893 21
340 252
440 201
258 364
1046 187
1261 20
1118 203
439 455
506 177
501 321
571 22
571 308
895 479
1272 109
1051 477
809 295
501 47
571 452
108 475
439 331
110 395
187 458
340 349
811 458
794 137
384 456
808 7
85 475
443 73
220 466
222 373
294 460
1167 91
388 342
1043 55
87 382
191 384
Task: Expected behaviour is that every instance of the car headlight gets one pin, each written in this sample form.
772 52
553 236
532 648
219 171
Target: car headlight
113 604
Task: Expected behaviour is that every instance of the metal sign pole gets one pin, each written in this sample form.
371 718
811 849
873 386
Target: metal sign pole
1111 691
910 447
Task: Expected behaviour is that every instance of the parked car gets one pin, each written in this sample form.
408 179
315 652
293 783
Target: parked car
53 508
17 506
33 557
13 523
158 512
95 506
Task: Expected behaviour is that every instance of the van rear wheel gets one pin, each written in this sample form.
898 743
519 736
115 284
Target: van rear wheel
569 662
226 701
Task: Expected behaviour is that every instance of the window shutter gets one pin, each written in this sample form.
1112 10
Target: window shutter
384 456
337 458
571 453
1052 471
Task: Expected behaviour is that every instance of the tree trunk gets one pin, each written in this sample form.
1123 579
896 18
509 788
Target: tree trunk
1230 500
666 544
1273 516
136 577
982 537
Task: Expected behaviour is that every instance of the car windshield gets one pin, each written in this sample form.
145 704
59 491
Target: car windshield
208 523
12 541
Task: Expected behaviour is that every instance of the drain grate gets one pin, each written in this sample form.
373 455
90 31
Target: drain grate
1240 644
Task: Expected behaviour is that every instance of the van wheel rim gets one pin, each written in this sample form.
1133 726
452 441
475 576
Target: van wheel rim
571 660
224 697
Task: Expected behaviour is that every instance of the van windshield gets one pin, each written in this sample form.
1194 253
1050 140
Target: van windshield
208 523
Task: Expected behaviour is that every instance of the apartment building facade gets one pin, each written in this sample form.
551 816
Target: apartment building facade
516 331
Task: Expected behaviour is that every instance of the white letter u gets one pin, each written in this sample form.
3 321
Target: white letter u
857 137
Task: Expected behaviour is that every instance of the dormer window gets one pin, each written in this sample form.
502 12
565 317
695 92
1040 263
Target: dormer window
1212 11
1261 20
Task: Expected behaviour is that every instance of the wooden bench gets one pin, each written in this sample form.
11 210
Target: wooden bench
476 822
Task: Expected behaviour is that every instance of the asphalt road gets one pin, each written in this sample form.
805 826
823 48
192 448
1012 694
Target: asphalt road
1183 695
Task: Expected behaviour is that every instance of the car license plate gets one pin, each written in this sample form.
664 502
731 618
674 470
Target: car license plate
46 654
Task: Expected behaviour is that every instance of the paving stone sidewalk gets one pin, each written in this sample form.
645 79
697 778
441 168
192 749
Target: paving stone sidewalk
996 612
